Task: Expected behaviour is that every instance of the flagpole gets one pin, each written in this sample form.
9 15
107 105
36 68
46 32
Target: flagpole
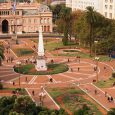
15 22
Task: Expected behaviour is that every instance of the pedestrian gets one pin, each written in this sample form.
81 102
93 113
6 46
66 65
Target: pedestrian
13 83
68 59
78 68
33 92
95 92
71 69
51 80
34 46
12 59
105 94
104 68
26 79
111 98
79 59
108 98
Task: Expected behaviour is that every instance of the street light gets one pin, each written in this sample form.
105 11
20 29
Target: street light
42 95
57 44
95 42
97 59
19 63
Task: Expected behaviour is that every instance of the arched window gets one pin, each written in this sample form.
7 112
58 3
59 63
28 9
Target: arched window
48 28
44 28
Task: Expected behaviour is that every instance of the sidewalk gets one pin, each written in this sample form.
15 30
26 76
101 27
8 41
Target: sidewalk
48 101
99 97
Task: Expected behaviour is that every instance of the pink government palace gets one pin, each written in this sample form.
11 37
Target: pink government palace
26 19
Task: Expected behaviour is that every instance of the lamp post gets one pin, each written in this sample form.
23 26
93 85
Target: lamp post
42 95
19 63
57 44
97 59
95 42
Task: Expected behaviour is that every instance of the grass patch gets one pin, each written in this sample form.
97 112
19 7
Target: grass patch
23 51
53 45
82 55
73 99
52 69
105 83
45 40
105 58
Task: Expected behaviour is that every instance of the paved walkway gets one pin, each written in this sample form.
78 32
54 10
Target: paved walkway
98 95
84 76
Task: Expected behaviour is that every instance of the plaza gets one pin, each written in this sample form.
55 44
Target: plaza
55 61
82 78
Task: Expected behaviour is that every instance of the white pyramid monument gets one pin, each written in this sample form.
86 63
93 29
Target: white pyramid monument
41 62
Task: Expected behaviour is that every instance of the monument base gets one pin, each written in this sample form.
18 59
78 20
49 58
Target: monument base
41 65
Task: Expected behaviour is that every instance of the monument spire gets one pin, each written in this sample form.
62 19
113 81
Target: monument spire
41 62
40 45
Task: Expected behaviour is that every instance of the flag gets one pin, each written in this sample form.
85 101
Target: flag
14 6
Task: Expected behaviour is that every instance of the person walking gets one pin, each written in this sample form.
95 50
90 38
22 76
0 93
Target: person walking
78 68
13 83
111 99
71 69
95 92
26 79
105 94
33 92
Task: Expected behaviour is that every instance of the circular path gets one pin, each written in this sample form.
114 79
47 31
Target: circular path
82 77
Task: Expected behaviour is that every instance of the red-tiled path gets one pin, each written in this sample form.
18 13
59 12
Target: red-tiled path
82 78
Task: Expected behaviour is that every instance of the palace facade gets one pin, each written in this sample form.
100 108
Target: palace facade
26 19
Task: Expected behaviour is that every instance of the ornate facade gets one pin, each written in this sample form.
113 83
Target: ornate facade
26 19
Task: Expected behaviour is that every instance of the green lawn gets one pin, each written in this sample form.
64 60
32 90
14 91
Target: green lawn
82 55
73 99
105 83
52 69
53 45
23 51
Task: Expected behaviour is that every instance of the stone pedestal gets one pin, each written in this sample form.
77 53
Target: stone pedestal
41 64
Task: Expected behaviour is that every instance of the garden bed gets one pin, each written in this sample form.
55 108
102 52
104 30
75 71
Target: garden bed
23 51
72 100
30 69
105 83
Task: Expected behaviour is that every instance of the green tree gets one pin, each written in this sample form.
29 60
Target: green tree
25 105
66 19
15 113
91 19
6 104
111 112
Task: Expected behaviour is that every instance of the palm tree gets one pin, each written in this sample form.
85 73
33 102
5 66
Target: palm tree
66 17
112 112
91 19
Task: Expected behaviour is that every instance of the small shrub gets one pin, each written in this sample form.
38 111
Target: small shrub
1 86
113 74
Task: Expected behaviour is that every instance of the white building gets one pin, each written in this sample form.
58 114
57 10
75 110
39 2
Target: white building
105 7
